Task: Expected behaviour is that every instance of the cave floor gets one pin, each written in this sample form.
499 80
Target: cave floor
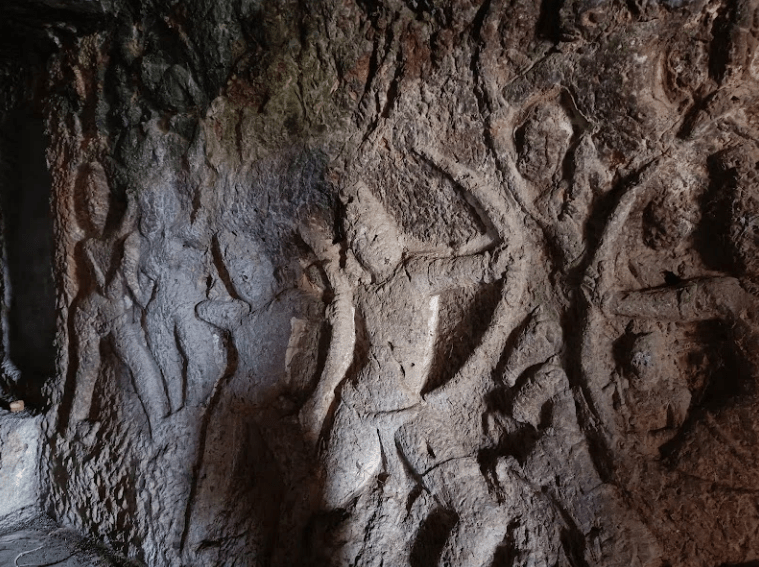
42 543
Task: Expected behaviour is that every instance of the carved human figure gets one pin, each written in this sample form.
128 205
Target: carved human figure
703 442
443 446
109 312
558 203
166 269
241 310
243 466
395 302
384 311
730 298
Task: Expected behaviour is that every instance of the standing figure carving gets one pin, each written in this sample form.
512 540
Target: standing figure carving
395 302
248 449
554 194
384 315
109 311
166 269
671 367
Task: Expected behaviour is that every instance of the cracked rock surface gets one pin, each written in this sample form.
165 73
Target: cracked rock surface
410 283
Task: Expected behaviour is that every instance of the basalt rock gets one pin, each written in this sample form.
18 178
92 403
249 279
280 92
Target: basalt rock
407 283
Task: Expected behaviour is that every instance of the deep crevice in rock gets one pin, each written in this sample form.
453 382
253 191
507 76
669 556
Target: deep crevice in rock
30 319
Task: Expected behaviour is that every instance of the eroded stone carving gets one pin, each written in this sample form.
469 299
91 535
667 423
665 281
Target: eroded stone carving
166 263
397 343
109 312
724 298
408 283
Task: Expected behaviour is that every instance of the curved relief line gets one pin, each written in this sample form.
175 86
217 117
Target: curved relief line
464 384
503 208
341 314
496 204
598 280
500 208
205 423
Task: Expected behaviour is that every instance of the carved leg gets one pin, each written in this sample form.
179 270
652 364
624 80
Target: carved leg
481 524
196 342
88 365
353 457
165 351
540 339
130 346
395 486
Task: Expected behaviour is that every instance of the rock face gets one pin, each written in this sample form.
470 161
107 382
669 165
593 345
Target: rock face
19 468
465 283
43 543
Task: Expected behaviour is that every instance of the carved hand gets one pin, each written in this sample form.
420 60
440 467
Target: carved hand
501 261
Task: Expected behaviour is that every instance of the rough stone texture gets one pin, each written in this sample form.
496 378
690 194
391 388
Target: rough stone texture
416 283
41 542
20 437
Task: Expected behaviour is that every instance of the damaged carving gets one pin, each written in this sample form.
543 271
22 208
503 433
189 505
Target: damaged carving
400 283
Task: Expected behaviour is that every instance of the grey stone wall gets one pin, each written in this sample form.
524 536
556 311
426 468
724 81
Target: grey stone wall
401 283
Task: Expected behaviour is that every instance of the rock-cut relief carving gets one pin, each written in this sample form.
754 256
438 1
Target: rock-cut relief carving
261 319
492 464
242 467
721 99
395 302
598 278
166 270
445 443
732 299
109 312
541 469
556 173
391 303
485 445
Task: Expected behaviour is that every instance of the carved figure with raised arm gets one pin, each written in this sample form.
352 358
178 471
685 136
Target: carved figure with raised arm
728 301
361 442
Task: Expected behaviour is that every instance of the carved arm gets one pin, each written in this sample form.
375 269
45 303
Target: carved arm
130 269
695 300
224 314
440 274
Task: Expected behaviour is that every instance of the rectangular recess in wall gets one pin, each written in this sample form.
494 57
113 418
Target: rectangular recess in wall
27 228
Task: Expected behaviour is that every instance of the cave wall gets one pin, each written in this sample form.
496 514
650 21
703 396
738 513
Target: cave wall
402 283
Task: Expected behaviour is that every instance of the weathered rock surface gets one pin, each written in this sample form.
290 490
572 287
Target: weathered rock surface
418 283
40 542
20 452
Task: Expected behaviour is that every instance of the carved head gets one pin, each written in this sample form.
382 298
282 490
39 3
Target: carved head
92 191
372 233
542 142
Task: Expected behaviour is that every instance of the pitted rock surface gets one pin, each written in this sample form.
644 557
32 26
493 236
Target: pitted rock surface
412 283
